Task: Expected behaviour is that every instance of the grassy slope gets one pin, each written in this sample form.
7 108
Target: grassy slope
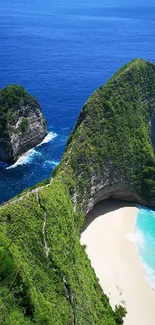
62 289
58 289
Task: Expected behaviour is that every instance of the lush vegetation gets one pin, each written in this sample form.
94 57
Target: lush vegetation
60 288
112 137
11 99
24 125
46 276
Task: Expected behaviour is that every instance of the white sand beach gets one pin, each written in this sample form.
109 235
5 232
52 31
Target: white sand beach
116 261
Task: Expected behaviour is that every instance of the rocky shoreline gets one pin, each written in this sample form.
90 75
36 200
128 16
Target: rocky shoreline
22 122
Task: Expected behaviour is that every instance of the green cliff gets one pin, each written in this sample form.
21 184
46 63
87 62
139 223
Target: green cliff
46 277
110 152
22 125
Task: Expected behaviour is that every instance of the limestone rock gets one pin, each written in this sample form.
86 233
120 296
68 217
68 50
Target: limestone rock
22 125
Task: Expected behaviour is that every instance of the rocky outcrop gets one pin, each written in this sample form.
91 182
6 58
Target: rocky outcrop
110 153
22 124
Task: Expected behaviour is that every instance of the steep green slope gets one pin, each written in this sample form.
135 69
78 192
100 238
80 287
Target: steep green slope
110 153
46 277
41 286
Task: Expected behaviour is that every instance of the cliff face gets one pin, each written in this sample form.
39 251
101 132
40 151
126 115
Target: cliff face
45 274
22 125
110 153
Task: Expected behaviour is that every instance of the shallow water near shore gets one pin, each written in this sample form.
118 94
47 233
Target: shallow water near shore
145 240
111 240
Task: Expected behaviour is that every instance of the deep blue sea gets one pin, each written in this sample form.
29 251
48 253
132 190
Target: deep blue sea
61 51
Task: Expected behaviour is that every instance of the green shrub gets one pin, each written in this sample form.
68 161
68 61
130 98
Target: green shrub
24 125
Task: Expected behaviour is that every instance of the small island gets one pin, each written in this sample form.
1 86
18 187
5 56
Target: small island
22 124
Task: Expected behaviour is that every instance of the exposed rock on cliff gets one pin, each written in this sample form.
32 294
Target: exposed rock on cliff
22 125
110 153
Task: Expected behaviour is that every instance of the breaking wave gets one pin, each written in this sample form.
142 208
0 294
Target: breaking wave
52 163
137 238
26 158
48 138
149 274
32 153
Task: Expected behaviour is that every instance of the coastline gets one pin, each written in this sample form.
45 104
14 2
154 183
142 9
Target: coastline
25 157
116 261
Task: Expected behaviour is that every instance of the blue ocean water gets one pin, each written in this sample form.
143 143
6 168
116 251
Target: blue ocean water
61 51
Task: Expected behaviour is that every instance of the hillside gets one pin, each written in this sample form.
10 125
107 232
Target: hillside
110 152
46 277
22 125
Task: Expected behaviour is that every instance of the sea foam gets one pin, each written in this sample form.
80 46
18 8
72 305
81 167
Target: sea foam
52 163
141 242
48 138
26 158
31 154
137 238
149 274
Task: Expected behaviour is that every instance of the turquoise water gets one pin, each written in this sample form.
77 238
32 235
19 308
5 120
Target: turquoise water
145 239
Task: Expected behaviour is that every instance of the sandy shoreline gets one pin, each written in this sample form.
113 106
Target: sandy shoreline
116 261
